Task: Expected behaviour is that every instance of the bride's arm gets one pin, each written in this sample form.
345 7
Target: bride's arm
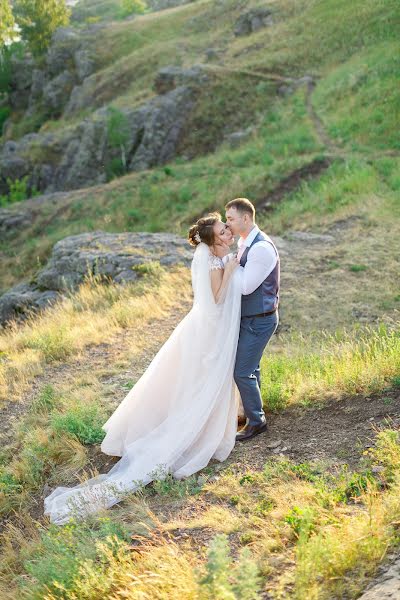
220 278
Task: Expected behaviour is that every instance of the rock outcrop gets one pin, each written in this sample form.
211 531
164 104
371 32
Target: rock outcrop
171 76
110 256
46 90
79 156
387 585
253 20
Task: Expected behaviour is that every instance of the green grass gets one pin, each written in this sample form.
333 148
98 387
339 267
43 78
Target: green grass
360 101
324 365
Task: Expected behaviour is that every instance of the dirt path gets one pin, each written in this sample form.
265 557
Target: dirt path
335 433
292 182
317 122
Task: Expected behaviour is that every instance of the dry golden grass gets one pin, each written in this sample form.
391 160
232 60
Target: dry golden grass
90 316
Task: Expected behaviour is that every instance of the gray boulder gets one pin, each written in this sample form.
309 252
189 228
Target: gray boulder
387 584
238 137
60 56
170 77
22 300
21 81
57 91
10 220
84 63
156 128
109 256
253 20
12 165
37 85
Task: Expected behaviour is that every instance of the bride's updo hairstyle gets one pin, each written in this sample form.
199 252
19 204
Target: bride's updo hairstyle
203 230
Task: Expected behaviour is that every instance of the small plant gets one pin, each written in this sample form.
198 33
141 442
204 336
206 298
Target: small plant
151 269
61 551
118 137
133 7
225 580
357 268
387 453
301 521
18 191
92 20
307 472
115 168
248 478
83 421
45 402
396 381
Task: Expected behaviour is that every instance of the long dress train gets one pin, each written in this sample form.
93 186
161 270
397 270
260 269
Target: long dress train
181 412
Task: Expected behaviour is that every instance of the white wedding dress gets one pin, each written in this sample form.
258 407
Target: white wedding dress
182 411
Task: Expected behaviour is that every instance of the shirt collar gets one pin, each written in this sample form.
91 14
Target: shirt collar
250 238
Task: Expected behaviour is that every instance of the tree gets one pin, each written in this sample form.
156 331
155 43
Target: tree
118 132
7 24
38 19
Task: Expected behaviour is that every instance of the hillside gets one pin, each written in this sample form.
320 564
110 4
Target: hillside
295 105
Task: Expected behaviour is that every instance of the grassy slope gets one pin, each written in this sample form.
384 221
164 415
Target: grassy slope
314 532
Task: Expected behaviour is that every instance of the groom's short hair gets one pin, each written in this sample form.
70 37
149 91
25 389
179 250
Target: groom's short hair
242 205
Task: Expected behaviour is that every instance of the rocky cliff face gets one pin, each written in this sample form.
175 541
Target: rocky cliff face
81 154
69 61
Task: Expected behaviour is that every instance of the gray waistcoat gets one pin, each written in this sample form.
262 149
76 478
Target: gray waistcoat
266 297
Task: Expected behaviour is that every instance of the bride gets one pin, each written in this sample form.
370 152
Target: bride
183 410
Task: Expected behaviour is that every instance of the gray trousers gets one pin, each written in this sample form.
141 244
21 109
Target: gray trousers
255 333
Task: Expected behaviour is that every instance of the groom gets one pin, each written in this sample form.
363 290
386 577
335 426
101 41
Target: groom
260 267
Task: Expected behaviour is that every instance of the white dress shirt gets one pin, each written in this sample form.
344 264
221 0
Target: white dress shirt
261 259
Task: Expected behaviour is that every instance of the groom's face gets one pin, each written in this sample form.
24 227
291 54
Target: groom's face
236 221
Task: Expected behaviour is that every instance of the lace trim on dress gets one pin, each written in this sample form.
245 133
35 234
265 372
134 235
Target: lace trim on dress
215 262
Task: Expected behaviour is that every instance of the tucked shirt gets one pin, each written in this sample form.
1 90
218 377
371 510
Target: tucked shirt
261 259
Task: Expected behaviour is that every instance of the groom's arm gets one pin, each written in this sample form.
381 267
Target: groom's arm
261 259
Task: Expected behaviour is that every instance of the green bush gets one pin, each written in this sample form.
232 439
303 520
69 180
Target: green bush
133 7
117 136
18 191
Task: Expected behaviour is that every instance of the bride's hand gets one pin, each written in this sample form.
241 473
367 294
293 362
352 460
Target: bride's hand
222 249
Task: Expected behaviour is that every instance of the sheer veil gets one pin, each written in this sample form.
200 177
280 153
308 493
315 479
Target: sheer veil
181 412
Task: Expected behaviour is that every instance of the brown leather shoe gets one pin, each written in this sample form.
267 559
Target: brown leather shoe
250 431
